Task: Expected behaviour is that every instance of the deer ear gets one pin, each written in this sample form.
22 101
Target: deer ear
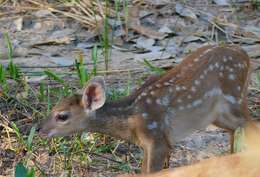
94 95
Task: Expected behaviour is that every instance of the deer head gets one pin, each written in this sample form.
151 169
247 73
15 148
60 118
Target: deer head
72 114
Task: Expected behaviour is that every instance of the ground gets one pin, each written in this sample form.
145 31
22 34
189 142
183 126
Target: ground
49 35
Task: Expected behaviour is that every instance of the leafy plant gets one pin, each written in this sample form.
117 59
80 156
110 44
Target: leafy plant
105 36
153 68
30 139
255 4
82 71
54 76
12 68
9 46
18 134
65 88
42 91
258 78
28 143
2 74
22 171
126 14
94 59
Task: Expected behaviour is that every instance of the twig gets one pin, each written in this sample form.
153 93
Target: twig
98 155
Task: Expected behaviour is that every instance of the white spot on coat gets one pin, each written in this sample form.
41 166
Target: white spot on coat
196 102
202 76
213 92
231 77
211 67
165 101
144 115
231 69
189 105
158 85
196 82
181 108
148 100
166 83
172 80
152 125
143 93
158 101
225 59
178 88
193 89
238 88
230 99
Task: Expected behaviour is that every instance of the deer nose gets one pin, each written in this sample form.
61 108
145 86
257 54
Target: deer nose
41 132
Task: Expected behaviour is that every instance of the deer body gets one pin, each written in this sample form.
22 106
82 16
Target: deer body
209 86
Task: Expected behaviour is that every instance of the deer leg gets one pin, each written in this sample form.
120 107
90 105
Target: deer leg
230 123
167 161
154 157
232 138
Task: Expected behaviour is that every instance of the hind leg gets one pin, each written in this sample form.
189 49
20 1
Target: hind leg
230 120
230 131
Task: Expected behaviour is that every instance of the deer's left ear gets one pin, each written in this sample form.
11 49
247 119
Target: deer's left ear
94 95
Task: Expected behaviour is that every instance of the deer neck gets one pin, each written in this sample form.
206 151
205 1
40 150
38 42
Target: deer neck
112 119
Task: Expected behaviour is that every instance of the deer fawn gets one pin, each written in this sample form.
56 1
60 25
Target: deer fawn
209 86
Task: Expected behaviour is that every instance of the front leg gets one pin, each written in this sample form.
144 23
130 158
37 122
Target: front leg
155 154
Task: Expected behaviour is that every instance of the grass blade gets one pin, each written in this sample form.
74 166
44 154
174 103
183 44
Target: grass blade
30 138
154 68
54 76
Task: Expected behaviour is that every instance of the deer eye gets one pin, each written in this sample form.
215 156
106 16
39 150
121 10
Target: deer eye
62 116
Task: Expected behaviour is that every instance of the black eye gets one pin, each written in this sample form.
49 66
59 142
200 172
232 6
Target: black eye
63 116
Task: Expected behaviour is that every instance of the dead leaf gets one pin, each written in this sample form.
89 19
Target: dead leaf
135 24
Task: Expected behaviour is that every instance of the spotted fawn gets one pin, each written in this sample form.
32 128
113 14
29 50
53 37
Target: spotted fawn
208 87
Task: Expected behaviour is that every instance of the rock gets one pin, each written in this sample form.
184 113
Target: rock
152 56
145 43
252 50
185 12
165 29
62 61
222 2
